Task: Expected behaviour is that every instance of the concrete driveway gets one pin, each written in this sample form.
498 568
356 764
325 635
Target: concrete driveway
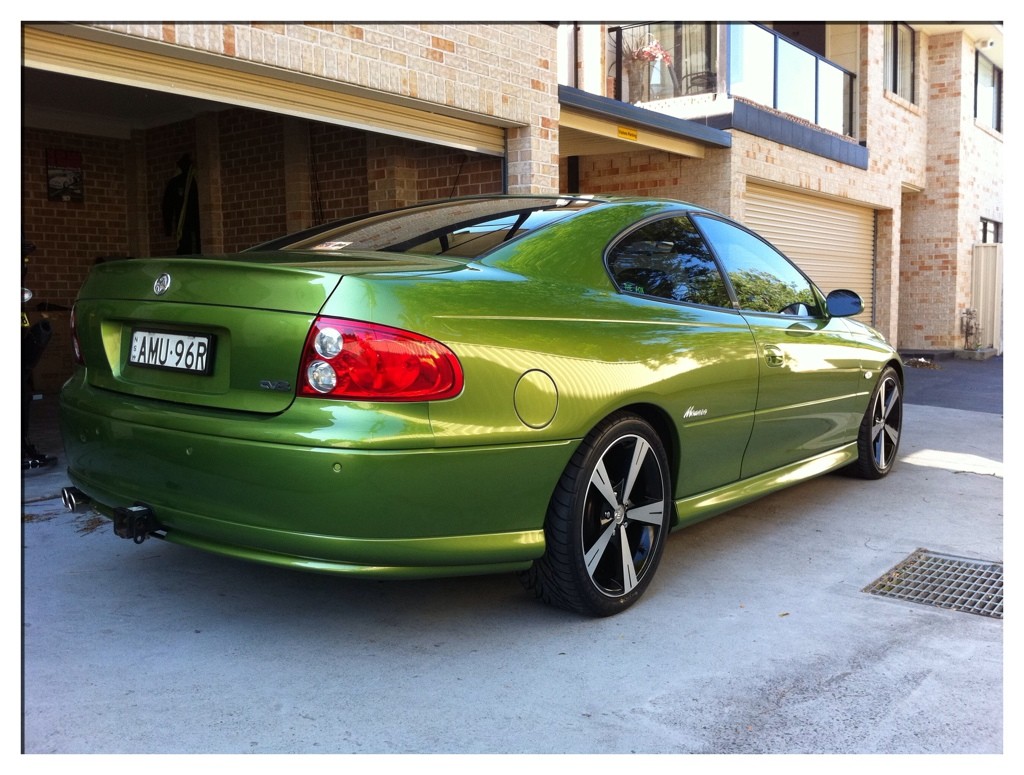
756 636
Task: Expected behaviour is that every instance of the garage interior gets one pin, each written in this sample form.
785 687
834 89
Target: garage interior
99 157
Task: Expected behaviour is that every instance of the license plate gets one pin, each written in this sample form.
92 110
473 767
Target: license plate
190 353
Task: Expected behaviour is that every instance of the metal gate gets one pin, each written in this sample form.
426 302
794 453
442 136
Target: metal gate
987 297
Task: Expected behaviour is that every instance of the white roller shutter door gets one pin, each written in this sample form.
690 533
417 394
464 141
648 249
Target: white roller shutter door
832 241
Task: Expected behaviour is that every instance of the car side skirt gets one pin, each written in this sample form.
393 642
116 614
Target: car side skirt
697 508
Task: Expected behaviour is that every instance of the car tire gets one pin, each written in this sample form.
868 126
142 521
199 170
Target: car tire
607 521
878 441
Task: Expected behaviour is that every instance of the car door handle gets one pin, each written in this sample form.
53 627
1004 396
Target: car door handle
773 355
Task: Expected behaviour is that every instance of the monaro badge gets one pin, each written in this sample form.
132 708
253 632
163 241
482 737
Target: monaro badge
161 284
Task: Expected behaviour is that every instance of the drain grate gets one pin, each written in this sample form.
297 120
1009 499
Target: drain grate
972 586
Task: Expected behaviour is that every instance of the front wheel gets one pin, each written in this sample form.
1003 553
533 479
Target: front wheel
607 521
879 438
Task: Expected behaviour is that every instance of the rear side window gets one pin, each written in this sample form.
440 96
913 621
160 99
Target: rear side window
458 228
668 259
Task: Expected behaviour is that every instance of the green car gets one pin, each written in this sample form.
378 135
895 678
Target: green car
542 384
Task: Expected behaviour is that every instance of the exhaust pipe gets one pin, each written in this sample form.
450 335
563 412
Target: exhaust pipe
72 498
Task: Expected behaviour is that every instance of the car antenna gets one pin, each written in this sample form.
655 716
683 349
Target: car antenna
458 175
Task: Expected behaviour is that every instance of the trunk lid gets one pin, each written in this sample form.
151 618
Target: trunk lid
224 333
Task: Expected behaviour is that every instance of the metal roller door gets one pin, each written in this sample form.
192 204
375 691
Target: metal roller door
832 241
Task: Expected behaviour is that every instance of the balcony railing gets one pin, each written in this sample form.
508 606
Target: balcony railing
667 60
769 69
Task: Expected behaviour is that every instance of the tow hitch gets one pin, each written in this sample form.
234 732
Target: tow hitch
135 522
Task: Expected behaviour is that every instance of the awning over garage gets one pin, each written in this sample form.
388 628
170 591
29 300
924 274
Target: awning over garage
92 53
590 124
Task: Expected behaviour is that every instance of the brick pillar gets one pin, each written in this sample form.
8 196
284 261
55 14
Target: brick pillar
887 275
136 195
208 176
391 173
533 158
298 202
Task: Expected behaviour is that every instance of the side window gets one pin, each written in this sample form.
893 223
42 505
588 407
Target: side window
763 279
668 259
988 94
899 52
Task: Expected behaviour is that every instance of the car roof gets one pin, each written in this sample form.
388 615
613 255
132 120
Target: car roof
285 241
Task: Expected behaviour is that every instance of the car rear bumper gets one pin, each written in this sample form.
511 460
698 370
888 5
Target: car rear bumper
400 513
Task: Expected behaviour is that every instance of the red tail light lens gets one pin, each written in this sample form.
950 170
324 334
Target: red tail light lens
358 361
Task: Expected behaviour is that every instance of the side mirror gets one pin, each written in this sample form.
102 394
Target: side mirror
842 303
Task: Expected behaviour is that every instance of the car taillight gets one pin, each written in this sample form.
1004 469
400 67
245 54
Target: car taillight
359 361
76 346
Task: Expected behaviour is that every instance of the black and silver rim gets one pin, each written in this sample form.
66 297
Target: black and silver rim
623 516
886 421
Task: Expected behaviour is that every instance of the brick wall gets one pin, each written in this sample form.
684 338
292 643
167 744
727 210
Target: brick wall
895 130
705 182
69 235
402 172
444 173
940 224
338 170
252 178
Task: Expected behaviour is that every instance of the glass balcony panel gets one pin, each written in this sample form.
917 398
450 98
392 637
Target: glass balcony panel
808 86
752 63
832 98
668 60
796 81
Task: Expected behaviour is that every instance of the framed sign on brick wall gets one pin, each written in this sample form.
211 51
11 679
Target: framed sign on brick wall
64 176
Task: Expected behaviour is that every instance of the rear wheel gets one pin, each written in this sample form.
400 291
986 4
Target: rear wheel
607 521
879 437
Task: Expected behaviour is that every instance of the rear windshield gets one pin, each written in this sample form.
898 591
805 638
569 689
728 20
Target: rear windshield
457 228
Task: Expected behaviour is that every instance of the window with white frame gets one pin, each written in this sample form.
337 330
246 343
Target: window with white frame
988 94
900 43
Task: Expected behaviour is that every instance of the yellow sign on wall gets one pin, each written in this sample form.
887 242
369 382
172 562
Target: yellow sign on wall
627 133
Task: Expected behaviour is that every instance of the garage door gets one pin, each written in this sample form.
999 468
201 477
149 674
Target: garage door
832 241
91 53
